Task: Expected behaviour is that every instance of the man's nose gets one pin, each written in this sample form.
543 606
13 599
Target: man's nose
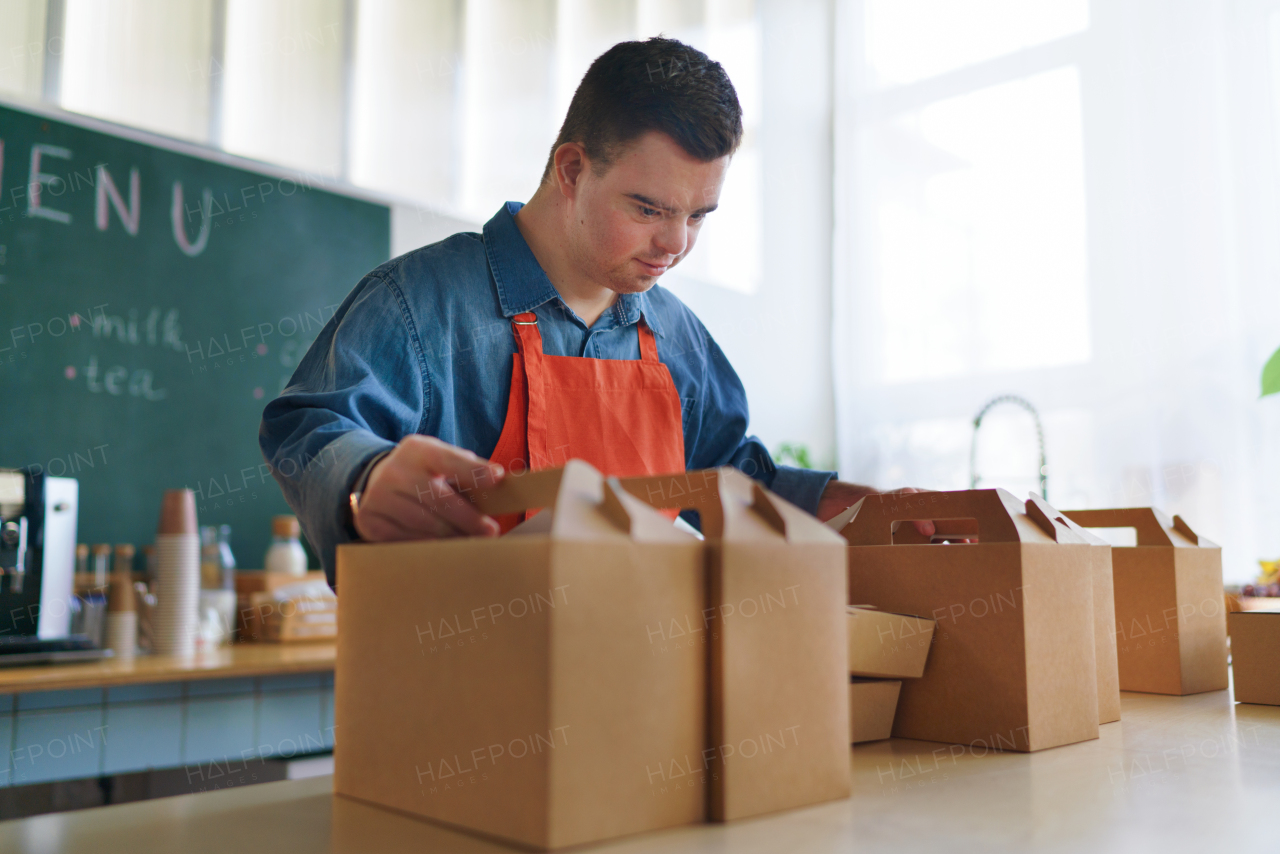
672 237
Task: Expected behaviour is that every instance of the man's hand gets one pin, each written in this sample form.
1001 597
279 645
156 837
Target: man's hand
839 496
417 492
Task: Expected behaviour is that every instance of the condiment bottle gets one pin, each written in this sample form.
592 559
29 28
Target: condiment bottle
285 553
228 559
101 566
149 561
123 563
210 559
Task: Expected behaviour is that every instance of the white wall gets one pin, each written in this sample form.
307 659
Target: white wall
415 225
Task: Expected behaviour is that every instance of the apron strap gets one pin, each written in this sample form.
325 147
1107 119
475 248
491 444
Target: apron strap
529 340
648 343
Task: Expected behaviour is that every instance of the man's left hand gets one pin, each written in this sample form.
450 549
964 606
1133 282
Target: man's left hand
839 496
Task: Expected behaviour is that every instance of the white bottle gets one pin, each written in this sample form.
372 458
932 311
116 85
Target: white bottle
286 553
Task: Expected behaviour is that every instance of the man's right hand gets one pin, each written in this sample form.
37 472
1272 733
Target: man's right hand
417 492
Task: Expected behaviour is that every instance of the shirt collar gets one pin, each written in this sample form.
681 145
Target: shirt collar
522 284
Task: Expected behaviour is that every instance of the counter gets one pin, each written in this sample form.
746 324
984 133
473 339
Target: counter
80 721
246 659
1176 774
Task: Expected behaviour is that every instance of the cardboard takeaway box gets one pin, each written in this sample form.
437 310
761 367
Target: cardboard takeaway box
307 611
254 602
872 703
514 686
887 646
1012 662
884 649
1171 629
777 642
1255 656
1104 615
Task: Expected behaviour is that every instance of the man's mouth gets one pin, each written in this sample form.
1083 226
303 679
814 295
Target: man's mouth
653 269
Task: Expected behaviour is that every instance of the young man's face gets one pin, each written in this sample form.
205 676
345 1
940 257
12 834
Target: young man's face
642 216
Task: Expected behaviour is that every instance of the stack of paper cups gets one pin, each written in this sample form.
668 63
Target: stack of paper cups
175 620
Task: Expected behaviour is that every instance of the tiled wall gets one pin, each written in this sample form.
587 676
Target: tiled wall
212 727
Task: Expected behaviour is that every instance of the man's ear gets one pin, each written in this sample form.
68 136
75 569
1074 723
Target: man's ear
568 166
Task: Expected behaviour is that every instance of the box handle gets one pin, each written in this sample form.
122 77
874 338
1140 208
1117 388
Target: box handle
535 490
1051 521
613 508
517 493
707 490
1151 525
766 509
874 516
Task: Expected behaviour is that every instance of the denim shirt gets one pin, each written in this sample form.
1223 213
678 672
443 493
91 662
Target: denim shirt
424 345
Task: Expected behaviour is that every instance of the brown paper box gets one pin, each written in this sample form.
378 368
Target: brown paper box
1255 656
888 646
872 703
1012 661
1104 616
520 686
779 710
1171 629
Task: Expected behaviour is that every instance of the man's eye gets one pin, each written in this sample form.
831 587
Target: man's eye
698 217
648 211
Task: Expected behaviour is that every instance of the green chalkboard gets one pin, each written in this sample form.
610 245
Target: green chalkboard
153 298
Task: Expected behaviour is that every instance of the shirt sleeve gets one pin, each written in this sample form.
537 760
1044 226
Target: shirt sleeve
716 434
337 412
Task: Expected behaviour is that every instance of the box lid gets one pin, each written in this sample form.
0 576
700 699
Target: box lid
993 515
1153 527
577 503
731 505
883 644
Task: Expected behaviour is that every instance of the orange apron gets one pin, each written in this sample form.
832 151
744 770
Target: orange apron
620 415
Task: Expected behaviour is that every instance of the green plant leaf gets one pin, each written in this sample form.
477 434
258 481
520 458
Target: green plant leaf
789 452
1271 375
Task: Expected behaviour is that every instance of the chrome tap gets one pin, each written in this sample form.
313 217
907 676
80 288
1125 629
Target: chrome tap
977 424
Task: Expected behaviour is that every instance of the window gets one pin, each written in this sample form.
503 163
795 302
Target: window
977 228
910 40
961 235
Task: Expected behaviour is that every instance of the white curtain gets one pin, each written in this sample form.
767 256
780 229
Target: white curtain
447 104
1075 203
23 48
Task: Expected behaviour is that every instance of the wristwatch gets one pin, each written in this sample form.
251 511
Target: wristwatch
357 491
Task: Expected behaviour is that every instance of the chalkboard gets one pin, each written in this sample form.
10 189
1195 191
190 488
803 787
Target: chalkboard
154 297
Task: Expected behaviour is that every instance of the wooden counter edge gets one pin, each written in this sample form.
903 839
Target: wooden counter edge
239 660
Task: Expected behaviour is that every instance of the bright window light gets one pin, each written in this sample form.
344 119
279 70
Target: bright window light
908 40
977 254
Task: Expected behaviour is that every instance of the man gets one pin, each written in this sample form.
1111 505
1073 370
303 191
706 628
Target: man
544 338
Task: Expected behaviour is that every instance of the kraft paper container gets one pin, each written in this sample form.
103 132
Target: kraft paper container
777 643
888 646
1255 656
1171 627
872 703
528 687
1104 616
1012 662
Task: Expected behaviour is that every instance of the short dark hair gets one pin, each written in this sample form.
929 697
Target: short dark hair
658 84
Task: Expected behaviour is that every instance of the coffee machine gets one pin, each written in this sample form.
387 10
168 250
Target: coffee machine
37 566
